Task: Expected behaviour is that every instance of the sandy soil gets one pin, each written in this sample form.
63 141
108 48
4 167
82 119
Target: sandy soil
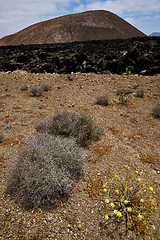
131 136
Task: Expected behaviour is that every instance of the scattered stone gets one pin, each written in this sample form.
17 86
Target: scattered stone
79 226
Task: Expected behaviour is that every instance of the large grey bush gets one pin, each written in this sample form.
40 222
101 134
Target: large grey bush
81 127
35 91
45 170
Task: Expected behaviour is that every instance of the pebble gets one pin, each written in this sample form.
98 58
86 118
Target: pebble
79 226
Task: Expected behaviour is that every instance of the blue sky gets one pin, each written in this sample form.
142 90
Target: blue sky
18 14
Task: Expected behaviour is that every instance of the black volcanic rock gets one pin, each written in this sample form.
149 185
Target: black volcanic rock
138 55
86 26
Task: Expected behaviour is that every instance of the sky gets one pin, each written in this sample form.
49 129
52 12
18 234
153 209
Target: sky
16 15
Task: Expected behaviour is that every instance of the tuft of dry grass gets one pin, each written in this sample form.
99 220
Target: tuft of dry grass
136 135
113 129
150 158
95 186
102 149
2 161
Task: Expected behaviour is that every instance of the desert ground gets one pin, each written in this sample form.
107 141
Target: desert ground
131 136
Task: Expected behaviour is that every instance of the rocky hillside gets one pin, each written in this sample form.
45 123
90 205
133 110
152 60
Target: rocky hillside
86 26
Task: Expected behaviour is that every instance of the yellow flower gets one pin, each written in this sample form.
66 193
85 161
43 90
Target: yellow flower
151 189
137 172
112 205
126 201
106 217
140 217
117 191
115 211
129 209
138 180
105 190
127 167
153 227
119 214
107 200
141 200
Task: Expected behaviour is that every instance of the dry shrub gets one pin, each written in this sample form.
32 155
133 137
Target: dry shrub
1 138
24 88
35 91
45 170
70 77
103 100
81 127
139 93
156 112
150 158
45 87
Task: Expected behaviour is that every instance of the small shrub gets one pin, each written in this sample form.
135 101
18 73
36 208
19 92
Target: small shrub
150 158
36 91
70 77
24 88
127 73
156 112
103 100
45 170
125 99
81 127
130 203
106 72
1 138
140 93
45 87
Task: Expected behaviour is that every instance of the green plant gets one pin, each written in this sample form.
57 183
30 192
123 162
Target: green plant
45 87
35 91
81 127
106 72
130 203
127 73
156 112
125 99
103 100
45 170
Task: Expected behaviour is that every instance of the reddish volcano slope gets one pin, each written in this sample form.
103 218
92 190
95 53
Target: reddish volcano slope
86 26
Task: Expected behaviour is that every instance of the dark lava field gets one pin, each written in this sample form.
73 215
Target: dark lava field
134 55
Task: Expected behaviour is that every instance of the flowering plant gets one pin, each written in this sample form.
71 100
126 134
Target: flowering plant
130 202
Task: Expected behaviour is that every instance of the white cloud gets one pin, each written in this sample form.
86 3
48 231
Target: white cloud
143 14
125 6
149 24
157 17
18 14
